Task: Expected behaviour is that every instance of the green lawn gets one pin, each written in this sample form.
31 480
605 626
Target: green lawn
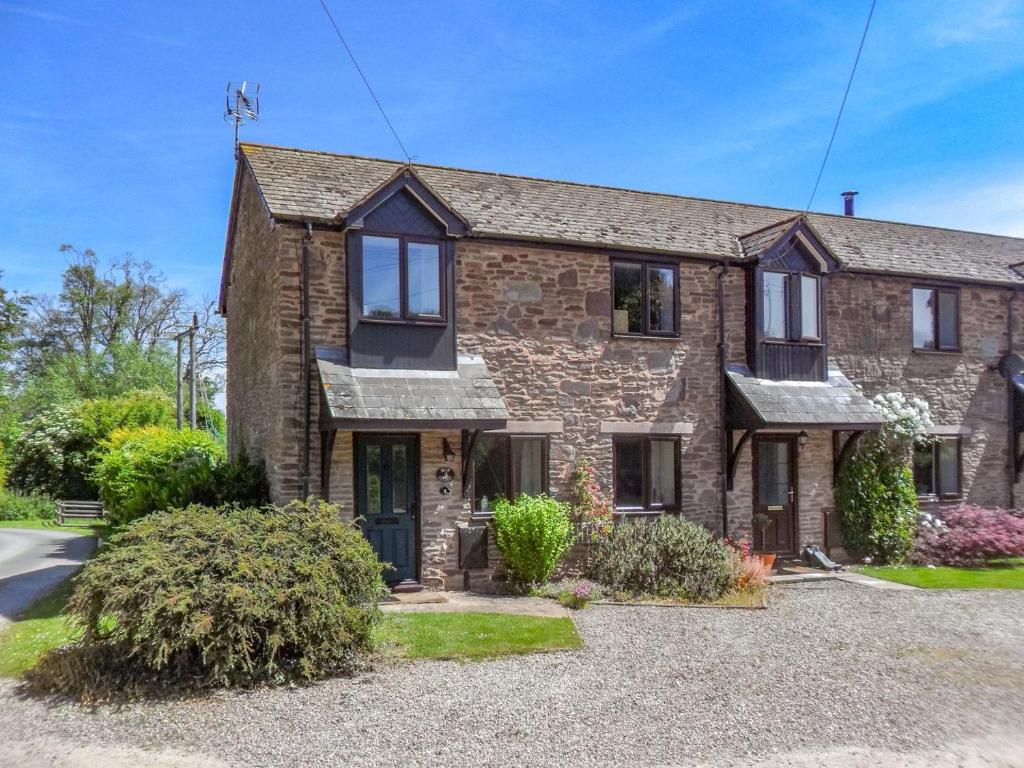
41 628
1009 575
82 527
472 636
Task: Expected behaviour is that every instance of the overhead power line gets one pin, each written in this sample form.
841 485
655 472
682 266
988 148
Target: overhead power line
835 127
366 82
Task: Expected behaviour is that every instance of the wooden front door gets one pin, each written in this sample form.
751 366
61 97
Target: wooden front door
387 502
775 494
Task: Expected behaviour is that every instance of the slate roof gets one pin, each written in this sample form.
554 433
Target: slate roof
365 397
759 403
321 187
755 243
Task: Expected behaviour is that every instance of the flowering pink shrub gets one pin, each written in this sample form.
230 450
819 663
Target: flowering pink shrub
589 505
971 536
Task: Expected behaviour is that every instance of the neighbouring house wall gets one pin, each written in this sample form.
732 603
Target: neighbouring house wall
870 339
541 318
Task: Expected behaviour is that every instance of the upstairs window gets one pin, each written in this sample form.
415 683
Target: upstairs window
790 306
936 318
937 469
646 473
401 279
504 466
645 299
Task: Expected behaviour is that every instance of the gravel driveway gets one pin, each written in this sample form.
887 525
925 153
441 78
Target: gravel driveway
832 673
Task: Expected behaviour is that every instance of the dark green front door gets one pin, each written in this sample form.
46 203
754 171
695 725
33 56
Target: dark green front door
387 501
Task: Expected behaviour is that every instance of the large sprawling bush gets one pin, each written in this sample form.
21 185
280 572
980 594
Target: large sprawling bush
532 533
667 556
155 468
875 495
206 597
57 451
969 535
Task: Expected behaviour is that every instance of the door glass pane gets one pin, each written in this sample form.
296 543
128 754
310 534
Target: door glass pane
663 473
924 477
490 459
773 297
809 307
924 318
661 290
629 476
627 299
381 281
948 321
773 473
399 479
528 455
424 278
373 479
949 481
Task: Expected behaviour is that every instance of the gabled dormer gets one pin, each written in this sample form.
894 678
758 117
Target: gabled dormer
787 267
400 253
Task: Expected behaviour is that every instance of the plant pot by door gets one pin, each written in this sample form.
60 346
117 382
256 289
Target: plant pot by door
768 558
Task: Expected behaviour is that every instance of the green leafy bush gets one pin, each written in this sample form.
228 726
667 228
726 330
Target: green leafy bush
155 468
532 534
204 597
14 506
668 556
877 505
57 451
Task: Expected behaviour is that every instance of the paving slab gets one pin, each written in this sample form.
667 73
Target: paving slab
468 602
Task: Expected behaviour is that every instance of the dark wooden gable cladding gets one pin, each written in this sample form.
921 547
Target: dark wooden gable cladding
798 251
406 211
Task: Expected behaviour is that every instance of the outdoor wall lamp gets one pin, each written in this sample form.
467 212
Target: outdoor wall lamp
446 449
802 438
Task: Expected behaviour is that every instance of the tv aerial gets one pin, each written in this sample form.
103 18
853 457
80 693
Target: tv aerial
246 106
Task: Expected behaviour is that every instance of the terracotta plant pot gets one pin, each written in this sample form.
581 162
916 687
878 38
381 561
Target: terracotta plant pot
767 559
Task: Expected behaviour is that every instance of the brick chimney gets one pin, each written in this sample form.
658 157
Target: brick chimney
848 202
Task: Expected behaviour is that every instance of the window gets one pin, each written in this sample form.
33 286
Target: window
401 279
937 468
504 466
790 306
936 318
644 298
646 473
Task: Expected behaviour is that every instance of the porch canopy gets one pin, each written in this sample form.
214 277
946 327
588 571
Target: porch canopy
836 404
396 399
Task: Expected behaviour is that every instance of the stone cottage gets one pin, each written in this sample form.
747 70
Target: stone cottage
415 342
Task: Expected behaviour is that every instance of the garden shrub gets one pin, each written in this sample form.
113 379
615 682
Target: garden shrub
14 506
155 468
667 556
969 536
532 534
57 451
203 597
572 593
589 506
875 495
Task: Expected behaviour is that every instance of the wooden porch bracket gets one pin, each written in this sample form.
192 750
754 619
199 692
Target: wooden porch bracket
841 450
326 453
469 437
734 455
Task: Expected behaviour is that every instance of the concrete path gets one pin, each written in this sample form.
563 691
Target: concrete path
33 562
795 575
467 602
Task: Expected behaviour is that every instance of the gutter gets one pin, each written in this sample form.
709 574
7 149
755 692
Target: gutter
723 438
1011 438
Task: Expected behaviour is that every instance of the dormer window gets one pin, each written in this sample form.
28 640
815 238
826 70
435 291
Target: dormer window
402 279
790 306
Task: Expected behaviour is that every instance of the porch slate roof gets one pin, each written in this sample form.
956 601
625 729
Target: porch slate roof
834 404
323 187
411 399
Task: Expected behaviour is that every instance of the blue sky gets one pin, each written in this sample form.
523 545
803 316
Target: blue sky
111 134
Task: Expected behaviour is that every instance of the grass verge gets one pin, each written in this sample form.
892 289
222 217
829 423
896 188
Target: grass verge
472 636
1008 575
81 527
41 628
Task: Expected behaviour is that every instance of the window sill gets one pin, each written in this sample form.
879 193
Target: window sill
932 499
638 512
481 517
921 351
399 321
641 337
794 342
